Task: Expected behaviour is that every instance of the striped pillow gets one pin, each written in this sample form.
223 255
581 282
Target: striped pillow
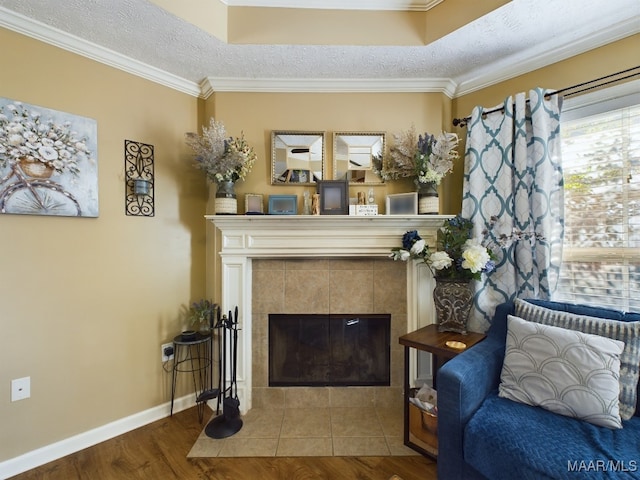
627 332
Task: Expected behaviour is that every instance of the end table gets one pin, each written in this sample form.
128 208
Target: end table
429 339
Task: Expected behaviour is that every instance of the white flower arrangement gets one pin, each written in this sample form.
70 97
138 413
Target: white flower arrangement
458 256
222 158
25 136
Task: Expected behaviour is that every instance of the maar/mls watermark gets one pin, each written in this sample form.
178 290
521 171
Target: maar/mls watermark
602 465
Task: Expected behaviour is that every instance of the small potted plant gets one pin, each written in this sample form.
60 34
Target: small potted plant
201 314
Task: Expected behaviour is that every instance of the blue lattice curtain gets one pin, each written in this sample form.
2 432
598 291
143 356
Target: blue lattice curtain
513 172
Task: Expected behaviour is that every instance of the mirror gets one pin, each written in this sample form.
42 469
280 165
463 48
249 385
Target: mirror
297 158
353 154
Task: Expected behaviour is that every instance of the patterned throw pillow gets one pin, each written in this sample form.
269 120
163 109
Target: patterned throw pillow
564 371
627 332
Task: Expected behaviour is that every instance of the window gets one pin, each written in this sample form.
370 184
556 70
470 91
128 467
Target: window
601 162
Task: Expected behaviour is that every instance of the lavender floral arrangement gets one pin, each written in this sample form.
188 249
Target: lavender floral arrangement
427 158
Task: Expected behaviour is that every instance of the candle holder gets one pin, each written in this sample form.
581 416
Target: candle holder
138 168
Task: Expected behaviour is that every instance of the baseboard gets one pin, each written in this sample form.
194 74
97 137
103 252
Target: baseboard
70 445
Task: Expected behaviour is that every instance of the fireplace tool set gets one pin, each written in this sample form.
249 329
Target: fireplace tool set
226 392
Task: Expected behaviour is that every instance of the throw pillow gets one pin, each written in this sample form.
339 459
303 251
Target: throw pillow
565 371
627 332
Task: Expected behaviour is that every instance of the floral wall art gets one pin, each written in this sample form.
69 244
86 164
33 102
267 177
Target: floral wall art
48 161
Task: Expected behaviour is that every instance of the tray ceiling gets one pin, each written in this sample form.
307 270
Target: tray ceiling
141 37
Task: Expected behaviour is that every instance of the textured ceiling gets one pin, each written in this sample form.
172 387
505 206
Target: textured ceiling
517 37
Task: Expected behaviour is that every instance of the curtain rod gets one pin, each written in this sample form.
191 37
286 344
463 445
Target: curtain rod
462 122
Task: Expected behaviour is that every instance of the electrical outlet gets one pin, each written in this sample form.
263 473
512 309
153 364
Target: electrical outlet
20 388
166 351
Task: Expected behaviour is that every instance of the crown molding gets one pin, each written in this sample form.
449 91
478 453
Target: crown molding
47 34
396 5
541 56
328 85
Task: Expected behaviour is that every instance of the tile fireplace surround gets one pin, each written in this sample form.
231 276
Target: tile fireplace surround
287 250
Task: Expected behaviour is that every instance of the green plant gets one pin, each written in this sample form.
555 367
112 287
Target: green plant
201 313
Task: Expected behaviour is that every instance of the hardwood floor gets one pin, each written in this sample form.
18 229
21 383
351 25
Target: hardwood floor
159 450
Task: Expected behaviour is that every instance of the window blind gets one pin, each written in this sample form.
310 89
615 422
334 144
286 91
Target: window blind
601 251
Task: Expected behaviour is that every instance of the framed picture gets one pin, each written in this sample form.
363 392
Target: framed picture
283 204
402 204
253 203
334 197
48 161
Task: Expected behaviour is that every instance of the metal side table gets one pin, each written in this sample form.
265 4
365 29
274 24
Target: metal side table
192 356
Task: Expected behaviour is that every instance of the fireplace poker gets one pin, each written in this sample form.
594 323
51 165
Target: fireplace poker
234 379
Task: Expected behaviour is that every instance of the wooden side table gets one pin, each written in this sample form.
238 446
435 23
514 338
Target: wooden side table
428 339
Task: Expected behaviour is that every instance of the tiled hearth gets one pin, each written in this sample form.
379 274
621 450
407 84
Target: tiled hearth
305 428
327 286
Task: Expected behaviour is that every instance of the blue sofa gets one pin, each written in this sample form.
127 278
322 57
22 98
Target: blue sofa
484 436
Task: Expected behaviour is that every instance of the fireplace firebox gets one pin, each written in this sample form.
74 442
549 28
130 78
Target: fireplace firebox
329 350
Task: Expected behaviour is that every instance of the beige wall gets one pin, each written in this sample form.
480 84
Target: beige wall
258 114
85 303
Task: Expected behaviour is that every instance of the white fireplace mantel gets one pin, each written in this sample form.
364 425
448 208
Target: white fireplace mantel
281 236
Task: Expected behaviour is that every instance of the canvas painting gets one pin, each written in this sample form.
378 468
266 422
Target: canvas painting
48 161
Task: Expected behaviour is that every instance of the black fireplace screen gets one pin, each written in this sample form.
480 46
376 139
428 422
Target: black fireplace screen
322 350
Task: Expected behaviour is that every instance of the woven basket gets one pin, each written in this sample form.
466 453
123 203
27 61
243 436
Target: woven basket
423 425
35 169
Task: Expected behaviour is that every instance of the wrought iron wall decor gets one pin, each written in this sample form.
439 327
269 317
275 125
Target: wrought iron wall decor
138 168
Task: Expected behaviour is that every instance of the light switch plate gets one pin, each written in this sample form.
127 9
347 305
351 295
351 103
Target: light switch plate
20 388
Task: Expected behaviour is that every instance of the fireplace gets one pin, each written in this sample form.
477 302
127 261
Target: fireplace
240 240
329 350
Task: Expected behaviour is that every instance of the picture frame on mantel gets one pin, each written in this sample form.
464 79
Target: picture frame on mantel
283 204
334 197
402 203
253 204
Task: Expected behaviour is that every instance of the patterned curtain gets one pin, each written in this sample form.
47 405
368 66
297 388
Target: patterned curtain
513 192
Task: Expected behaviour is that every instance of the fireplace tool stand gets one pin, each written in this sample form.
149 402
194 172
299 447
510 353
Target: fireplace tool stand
229 423
212 392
